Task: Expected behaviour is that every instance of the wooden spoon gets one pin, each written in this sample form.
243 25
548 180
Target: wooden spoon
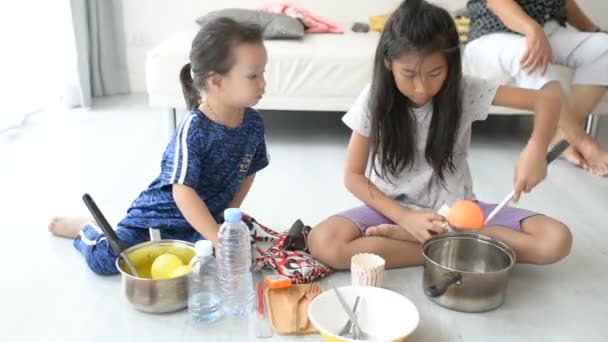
313 290
294 294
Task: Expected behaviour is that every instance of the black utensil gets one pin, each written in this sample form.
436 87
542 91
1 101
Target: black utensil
115 243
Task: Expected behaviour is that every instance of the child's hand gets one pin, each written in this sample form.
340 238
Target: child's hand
421 223
530 169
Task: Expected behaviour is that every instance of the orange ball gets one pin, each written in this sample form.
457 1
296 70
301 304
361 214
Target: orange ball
465 215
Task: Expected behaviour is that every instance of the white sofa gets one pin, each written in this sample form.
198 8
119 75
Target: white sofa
319 72
322 72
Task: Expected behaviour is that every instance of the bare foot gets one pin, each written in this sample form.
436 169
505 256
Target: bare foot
391 231
68 226
596 158
571 154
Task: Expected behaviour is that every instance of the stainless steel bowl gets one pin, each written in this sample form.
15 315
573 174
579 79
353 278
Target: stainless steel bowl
155 295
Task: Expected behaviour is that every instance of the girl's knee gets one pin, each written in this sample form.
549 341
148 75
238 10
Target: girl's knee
333 257
554 245
328 247
322 248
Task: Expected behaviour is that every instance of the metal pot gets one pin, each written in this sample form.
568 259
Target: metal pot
155 295
466 272
133 263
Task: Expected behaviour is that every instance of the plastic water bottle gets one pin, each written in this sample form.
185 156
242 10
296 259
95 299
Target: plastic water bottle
204 297
234 261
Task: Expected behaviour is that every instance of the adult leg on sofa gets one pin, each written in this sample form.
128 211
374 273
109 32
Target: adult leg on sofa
584 99
587 54
580 102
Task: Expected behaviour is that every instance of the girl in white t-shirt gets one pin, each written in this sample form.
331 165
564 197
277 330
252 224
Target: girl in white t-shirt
414 124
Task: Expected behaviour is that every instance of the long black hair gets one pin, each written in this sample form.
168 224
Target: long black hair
212 53
415 27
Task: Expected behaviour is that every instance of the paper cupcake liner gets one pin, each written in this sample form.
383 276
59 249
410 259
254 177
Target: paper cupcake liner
367 270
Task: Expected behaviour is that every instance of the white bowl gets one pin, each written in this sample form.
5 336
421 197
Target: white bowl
383 314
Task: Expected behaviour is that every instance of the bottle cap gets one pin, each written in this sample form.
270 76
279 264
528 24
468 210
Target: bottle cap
277 282
232 215
203 248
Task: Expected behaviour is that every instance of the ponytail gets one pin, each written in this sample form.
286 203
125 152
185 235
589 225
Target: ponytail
191 95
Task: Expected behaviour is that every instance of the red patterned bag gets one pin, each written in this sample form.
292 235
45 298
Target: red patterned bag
295 263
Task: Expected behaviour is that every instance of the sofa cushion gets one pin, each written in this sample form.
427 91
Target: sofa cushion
274 26
321 72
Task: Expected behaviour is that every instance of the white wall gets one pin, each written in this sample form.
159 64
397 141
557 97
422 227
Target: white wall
148 22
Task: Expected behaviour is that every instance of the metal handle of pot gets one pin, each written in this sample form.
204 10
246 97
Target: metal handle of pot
439 288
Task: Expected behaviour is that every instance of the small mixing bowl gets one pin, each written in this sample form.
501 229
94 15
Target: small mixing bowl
383 314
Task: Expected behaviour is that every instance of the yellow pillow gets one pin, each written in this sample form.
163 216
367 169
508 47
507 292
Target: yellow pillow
462 26
377 22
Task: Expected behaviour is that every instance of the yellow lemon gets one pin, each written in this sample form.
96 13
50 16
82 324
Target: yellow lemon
164 265
180 271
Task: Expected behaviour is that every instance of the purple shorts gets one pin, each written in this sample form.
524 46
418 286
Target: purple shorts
510 217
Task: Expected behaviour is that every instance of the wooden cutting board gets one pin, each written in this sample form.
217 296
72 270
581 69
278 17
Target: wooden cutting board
288 308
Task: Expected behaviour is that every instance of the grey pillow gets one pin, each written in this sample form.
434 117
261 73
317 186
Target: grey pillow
274 26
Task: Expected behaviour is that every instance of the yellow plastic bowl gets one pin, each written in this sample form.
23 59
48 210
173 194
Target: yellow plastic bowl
383 314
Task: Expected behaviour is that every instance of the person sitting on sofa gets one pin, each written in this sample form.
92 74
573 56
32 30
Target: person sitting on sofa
525 37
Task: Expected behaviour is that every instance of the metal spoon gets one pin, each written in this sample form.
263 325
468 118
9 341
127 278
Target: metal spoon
346 329
358 333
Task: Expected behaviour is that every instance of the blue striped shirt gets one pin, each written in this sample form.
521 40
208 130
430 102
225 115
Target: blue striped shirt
211 158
